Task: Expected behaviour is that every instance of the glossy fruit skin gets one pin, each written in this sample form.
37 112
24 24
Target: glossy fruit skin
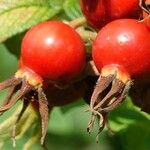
53 50
123 42
100 12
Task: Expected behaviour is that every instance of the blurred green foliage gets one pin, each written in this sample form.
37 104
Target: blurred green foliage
67 125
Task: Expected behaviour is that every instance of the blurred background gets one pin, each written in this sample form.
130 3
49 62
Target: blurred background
67 124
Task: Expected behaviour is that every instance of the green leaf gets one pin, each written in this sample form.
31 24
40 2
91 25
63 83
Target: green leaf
59 123
14 44
72 9
128 114
8 63
136 136
66 108
75 121
17 16
58 4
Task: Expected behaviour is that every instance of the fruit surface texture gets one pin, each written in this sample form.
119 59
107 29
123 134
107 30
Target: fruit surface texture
123 42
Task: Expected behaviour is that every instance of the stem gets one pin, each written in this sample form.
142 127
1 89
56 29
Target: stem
91 69
79 25
86 35
77 22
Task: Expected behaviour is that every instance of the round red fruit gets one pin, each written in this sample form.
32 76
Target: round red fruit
121 51
100 12
53 50
123 42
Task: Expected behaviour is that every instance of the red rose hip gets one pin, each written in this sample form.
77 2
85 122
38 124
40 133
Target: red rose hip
52 52
124 42
121 52
100 12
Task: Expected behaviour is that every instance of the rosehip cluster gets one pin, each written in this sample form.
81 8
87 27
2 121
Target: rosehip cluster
121 53
55 68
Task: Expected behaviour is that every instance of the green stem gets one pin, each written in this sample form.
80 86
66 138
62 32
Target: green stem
86 35
77 22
